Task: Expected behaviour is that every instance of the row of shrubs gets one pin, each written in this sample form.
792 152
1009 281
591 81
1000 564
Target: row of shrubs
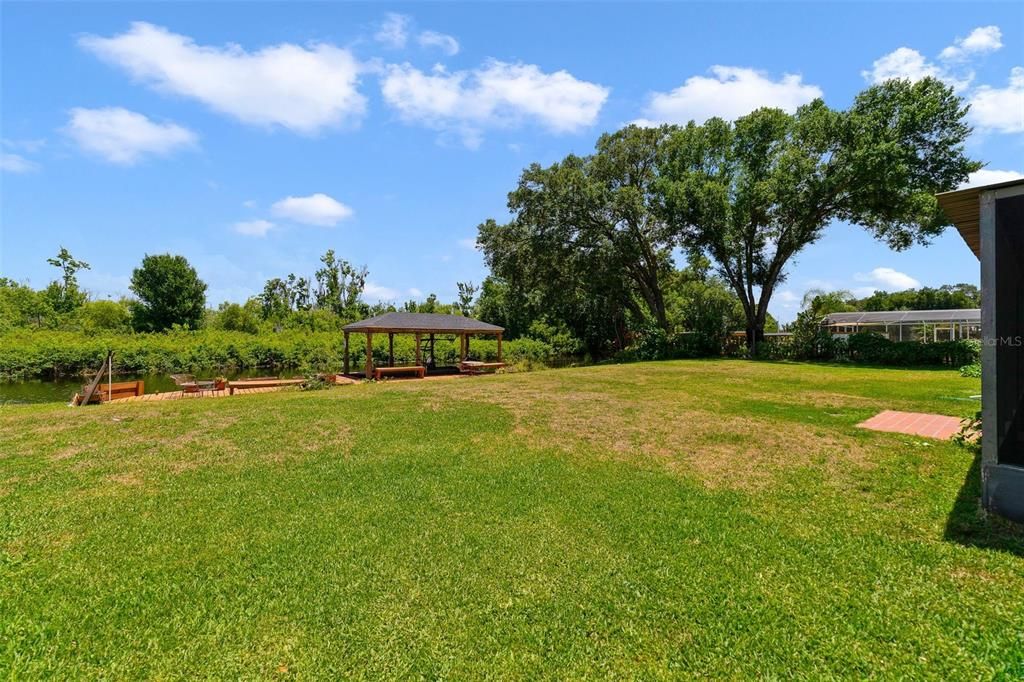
866 348
41 353
874 349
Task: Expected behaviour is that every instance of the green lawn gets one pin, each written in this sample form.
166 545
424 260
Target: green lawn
712 518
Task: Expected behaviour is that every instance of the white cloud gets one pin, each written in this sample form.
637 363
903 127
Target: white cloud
299 88
887 277
249 203
788 297
1000 109
442 41
496 94
904 63
414 292
254 228
376 293
730 92
124 137
788 300
13 163
907 63
393 31
986 176
979 41
468 243
316 209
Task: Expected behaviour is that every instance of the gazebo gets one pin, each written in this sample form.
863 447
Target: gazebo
425 327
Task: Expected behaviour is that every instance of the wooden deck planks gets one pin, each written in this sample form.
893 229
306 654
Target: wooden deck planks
178 395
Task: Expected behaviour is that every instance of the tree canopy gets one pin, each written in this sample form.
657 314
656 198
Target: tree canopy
169 293
754 193
585 245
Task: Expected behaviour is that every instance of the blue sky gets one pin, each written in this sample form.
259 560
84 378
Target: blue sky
251 137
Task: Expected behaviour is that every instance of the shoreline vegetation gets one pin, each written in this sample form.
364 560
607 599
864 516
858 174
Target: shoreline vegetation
28 354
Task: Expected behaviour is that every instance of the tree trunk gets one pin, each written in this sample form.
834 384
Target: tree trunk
755 335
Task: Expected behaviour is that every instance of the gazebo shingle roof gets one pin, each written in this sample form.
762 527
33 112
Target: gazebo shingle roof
428 323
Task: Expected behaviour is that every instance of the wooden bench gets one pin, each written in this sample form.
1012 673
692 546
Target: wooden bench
477 367
261 383
106 392
381 372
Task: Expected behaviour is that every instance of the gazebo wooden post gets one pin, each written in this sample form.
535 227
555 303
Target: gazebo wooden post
467 346
499 346
346 353
369 354
433 358
462 348
418 337
391 349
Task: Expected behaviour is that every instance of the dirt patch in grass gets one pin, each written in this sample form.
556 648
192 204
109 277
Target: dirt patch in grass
66 453
722 450
131 479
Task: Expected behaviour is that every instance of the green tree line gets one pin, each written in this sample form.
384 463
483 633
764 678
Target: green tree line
594 241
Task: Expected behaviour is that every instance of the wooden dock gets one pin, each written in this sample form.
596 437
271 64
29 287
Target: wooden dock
240 387
181 395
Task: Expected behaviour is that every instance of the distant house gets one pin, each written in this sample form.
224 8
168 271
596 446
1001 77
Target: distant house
909 325
991 221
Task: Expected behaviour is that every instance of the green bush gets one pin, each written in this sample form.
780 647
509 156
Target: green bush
869 349
875 349
25 353
972 370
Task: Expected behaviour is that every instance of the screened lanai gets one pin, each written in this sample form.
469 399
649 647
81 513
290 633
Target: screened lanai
909 325
425 329
991 221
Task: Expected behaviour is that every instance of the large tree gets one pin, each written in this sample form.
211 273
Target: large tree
585 242
754 193
169 292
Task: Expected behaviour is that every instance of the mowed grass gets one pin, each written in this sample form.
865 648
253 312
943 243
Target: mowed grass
718 518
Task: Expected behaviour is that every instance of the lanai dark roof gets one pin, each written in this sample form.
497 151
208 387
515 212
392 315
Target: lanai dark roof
426 323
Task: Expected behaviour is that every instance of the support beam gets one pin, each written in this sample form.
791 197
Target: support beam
419 360
369 354
345 367
991 415
391 349
499 346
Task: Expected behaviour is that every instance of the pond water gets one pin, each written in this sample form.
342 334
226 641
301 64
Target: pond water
61 390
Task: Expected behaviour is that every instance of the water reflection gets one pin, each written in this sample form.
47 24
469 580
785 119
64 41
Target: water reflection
61 390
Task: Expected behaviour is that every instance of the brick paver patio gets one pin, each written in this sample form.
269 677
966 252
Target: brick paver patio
914 424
